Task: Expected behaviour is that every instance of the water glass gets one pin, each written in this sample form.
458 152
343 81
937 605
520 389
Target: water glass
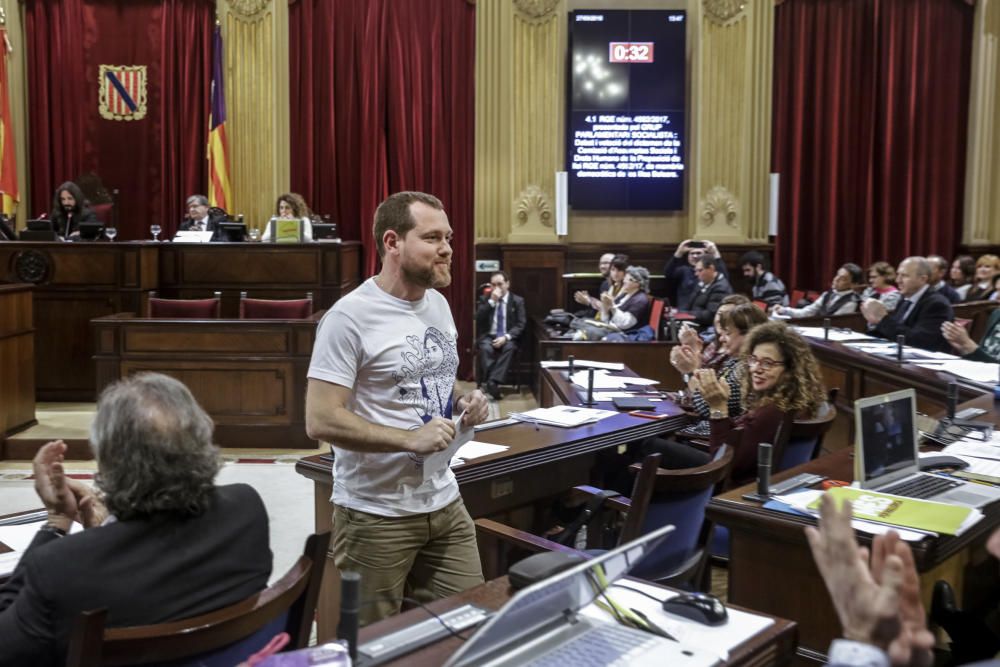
254 233
155 231
111 233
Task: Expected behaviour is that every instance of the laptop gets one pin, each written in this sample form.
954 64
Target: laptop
886 458
541 624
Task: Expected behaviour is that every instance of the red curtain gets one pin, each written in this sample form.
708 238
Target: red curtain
155 161
869 131
383 96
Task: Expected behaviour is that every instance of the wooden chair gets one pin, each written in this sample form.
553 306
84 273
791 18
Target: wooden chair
226 636
276 309
184 309
659 497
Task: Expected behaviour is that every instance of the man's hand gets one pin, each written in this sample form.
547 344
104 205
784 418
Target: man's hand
958 337
432 437
500 341
874 311
92 509
496 294
51 485
475 406
682 248
878 606
581 297
711 249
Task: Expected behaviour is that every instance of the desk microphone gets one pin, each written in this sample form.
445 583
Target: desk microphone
900 342
952 399
590 387
347 628
764 452
569 368
826 328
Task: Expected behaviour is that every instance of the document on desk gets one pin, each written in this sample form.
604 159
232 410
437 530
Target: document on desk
566 416
18 537
976 371
800 500
974 448
604 380
440 460
719 640
583 363
837 335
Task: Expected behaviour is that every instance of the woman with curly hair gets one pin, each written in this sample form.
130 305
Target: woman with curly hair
782 384
291 206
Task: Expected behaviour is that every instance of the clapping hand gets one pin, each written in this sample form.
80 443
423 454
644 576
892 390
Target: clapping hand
958 337
685 359
874 311
51 485
714 391
581 298
688 336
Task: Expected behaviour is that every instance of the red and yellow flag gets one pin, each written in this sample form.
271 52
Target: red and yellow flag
8 161
220 192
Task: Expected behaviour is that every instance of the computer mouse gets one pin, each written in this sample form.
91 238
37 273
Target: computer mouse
700 607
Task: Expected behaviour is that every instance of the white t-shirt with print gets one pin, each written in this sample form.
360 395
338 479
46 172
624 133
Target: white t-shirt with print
400 359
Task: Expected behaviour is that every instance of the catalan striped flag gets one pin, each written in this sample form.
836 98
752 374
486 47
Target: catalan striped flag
220 192
8 161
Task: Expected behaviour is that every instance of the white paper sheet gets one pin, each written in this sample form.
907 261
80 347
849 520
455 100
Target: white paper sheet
976 371
440 460
583 363
563 415
838 335
981 450
474 449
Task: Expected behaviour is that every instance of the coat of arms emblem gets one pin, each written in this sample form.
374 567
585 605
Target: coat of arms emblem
122 92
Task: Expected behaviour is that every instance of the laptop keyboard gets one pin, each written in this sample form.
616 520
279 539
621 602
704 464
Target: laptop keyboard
605 644
922 486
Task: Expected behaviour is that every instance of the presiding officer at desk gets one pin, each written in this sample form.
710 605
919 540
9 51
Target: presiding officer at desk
69 209
198 218
920 313
166 543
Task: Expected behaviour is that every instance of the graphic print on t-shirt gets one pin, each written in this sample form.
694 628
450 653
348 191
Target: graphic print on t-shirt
427 377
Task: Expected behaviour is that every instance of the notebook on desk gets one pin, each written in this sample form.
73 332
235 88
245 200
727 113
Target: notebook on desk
541 624
886 455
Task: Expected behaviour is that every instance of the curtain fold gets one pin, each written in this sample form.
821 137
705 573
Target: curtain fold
869 124
384 102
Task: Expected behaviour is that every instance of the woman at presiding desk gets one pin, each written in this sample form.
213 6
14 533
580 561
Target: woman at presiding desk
291 206
782 384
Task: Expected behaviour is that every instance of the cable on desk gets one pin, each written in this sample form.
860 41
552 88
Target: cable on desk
413 601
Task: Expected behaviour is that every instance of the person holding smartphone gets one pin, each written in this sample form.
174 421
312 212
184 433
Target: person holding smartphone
682 282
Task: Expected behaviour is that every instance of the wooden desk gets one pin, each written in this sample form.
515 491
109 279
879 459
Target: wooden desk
773 646
249 375
77 282
541 462
771 568
649 359
17 366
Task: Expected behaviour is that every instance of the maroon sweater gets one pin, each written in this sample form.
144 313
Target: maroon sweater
744 433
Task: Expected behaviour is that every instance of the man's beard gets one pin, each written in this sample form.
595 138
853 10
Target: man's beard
428 278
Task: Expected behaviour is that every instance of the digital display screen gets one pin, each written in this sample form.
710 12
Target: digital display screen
626 137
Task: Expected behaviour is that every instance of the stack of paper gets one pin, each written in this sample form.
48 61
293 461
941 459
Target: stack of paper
563 415
603 380
914 513
583 363
839 335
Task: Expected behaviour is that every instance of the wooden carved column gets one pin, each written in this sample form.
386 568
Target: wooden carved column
981 225
255 33
730 142
520 109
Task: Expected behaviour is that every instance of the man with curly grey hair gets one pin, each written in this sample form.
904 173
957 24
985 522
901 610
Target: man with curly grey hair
160 542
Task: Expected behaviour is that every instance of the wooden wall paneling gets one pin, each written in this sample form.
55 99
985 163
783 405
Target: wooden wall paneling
17 370
536 274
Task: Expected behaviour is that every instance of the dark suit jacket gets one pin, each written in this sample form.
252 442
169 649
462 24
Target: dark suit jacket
143 571
514 317
922 324
59 220
707 301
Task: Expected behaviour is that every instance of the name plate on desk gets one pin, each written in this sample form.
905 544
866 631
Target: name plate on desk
191 236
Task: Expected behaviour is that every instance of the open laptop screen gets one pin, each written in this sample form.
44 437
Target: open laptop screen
886 433
548 601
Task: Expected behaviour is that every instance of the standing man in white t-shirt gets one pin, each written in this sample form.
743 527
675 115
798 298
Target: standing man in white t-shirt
380 390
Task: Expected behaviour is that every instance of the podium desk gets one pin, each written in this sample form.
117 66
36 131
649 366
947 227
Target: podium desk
775 645
541 462
77 282
17 365
248 375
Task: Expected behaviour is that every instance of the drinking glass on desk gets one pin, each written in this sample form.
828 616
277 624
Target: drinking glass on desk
254 233
111 233
155 231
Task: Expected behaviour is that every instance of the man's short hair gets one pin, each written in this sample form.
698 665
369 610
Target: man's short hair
394 213
153 445
198 200
706 262
506 278
855 272
735 300
942 263
754 258
923 267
